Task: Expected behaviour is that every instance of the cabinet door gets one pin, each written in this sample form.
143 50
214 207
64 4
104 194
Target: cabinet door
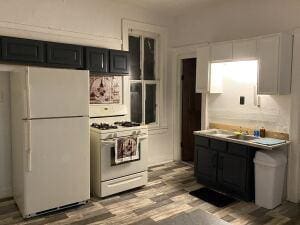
244 49
202 70
97 60
232 172
119 62
64 55
206 166
268 54
221 51
22 50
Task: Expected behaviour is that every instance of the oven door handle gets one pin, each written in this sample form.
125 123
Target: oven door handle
108 142
142 137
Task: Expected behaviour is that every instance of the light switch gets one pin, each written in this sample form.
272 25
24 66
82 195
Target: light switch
242 100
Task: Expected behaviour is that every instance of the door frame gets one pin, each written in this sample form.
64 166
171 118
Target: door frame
178 54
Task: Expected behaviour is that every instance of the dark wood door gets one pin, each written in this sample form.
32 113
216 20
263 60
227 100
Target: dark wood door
118 62
206 165
96 60
22 50
232 172
64 55
191 109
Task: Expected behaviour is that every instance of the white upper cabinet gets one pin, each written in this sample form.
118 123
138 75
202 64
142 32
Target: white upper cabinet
275 62
202 74
244 49
221 51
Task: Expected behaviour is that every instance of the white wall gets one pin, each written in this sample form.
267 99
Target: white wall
89 22
231 20
294 153
239 79
5 145
89 19
228 20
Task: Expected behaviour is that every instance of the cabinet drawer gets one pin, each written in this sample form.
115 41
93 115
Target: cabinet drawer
64 55
218 145
22 50
97 60
201 141
237 149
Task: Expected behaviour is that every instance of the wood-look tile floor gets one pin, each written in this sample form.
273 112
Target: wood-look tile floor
164 201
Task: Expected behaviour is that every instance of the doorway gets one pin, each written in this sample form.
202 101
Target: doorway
191 109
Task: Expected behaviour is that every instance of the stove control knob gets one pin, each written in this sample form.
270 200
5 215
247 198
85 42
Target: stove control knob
115 134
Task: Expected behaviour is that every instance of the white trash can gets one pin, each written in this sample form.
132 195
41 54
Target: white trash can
270 169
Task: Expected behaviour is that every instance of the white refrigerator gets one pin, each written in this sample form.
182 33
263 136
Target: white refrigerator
50 138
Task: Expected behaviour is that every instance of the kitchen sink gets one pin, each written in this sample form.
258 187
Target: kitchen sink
243 137
218 132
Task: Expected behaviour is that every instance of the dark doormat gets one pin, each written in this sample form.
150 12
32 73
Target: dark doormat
212 197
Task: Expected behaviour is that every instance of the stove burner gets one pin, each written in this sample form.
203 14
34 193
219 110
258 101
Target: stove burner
127 124
103 126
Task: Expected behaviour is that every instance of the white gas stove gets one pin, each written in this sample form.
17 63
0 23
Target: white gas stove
118 157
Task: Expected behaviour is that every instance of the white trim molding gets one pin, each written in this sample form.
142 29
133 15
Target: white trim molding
161 32
177 54
57 35
293 187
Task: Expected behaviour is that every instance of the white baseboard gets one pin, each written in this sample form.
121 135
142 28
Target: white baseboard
5 192
160 163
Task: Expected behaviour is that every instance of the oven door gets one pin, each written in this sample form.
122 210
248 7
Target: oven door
109 171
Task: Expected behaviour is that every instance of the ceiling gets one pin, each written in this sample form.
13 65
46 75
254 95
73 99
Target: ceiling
169 7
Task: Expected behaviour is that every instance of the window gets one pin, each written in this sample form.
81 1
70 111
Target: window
144 82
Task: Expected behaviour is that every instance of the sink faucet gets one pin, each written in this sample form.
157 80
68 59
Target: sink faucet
243 132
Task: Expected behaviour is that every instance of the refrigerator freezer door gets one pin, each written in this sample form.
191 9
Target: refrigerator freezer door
57 164
57 92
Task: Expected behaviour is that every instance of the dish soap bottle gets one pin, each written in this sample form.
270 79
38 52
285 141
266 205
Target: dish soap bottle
262 132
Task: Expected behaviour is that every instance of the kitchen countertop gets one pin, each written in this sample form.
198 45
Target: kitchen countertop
224 135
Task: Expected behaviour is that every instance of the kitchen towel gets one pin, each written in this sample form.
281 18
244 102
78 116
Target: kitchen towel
126 150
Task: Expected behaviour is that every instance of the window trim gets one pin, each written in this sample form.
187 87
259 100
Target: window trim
161 33
156 81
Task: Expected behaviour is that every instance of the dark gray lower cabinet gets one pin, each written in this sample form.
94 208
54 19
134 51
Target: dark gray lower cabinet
207 165
65 55
22 50
227 167
232 172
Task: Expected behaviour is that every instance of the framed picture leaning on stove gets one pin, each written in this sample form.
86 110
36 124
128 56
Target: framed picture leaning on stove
106 90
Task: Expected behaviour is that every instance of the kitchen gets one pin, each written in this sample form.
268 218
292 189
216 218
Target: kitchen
106 24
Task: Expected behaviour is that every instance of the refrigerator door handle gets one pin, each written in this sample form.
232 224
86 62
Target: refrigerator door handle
28 95
28 150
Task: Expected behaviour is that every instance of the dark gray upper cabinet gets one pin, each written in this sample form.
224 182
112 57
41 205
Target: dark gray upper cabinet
22 50
65 55
119 62
51 54
96 60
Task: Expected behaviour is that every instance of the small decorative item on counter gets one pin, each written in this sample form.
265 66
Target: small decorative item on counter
256 133
262 132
